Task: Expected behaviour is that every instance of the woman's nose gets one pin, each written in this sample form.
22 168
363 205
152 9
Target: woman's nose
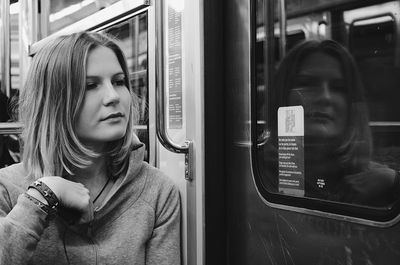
111 95
325 91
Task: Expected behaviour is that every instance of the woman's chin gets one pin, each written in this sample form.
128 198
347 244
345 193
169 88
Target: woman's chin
322 131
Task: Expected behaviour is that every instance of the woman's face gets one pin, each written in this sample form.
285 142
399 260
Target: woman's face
321 89
104 113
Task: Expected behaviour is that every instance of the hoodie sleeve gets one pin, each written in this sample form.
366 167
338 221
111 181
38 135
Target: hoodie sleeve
21 227
164 247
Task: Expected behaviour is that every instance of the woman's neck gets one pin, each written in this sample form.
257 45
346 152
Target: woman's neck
94 175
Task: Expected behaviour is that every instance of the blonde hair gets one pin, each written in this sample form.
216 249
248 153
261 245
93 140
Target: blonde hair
50 104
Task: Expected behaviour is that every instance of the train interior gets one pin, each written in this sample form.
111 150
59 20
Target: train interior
208 76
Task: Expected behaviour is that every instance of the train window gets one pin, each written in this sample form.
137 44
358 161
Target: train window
326 134
132 36
10 88
63 13
9 134
14 48
10 85
292 38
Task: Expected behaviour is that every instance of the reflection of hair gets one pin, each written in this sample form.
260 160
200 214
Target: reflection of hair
355 148
50 105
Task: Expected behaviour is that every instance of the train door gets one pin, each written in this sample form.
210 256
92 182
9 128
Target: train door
312 178
180 123
162 43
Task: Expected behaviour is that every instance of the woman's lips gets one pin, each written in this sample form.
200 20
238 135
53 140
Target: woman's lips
319 115
113 115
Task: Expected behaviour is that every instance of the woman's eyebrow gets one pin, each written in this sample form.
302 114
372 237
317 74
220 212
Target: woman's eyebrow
100 76
119 74
92 77
304 76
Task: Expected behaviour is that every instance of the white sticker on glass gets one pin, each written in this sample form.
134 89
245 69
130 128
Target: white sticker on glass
291 150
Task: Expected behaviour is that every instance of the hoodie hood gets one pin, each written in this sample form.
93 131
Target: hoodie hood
125 191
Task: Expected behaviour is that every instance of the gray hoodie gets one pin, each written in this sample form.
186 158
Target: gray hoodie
139 223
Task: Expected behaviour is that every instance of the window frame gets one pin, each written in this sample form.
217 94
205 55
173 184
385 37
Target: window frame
372 216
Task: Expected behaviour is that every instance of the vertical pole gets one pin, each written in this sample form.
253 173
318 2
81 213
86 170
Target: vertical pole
5 47
44 14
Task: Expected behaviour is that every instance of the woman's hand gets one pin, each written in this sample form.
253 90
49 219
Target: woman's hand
71 194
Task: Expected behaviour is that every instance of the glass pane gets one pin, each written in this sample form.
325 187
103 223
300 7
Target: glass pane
328 126
132 36
9 149
10 142
14 70
65 12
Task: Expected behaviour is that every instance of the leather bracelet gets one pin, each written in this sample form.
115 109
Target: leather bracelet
47 193
51 213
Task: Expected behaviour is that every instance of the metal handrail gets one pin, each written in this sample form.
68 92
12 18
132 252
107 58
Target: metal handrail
161 130
11 128
5 55
269 55
282 27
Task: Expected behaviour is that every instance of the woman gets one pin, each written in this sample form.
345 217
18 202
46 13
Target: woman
322 77
83 194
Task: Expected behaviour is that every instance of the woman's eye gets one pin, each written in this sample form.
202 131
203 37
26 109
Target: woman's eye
338 87
120 82
90 86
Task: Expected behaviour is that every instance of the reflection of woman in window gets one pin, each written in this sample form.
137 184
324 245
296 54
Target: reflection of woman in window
323 78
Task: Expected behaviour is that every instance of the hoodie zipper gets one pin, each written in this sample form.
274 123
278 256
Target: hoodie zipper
92 242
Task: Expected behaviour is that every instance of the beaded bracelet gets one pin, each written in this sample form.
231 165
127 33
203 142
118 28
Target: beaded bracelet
47 193
45 208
